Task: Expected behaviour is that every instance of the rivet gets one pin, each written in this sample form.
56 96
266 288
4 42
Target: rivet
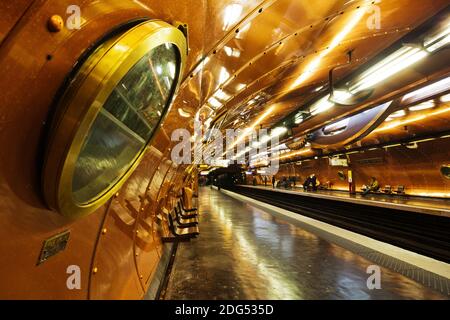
137 254
117 194
141 276
137 231
95 270
104 231
55 23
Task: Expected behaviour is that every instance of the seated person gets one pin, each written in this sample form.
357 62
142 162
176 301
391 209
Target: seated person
311 183
372 187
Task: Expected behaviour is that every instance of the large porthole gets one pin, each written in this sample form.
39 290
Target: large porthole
445 171
109 114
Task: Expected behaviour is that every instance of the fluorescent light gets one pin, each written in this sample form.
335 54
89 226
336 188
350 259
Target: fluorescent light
232 52
213 102
223 75
338 38
278 131
341 95
423 106
445 98
222 95
293 154
247 131
280 147
240 86
321 106
439 44
337 127
438 40
396 62
298 119
428 91
398 114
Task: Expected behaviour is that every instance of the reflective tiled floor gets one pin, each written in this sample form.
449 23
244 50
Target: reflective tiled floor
246 253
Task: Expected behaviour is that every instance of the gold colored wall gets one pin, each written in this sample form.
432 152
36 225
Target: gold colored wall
416 169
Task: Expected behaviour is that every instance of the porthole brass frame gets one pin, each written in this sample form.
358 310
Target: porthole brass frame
83 100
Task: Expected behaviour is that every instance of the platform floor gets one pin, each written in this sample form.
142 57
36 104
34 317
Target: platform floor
432 206
247 253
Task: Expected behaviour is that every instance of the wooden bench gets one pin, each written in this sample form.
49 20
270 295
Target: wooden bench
387 189
185 214
400 190
179 232
185 220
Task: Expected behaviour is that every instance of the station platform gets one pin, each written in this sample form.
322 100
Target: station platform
433 206
247 251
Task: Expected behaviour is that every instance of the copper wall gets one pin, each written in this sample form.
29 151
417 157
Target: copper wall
416 169
118 246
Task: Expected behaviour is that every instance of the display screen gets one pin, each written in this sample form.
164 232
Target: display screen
126 123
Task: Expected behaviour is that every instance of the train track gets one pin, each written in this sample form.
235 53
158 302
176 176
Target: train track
425 234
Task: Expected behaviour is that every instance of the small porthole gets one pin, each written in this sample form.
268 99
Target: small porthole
109 114
342 176
445 171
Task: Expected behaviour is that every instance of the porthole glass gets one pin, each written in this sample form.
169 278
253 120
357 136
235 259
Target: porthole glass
108 115
445 171
125 123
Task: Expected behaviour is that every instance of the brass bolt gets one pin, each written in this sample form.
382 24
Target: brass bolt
95 270
55 23
141 276
104 231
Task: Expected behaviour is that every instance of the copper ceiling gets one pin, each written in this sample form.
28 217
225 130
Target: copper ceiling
256 57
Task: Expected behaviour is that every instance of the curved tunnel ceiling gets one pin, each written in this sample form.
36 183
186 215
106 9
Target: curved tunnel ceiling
276 55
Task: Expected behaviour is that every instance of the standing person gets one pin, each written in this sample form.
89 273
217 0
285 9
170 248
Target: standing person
314 182
273 182
265 181
306 183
